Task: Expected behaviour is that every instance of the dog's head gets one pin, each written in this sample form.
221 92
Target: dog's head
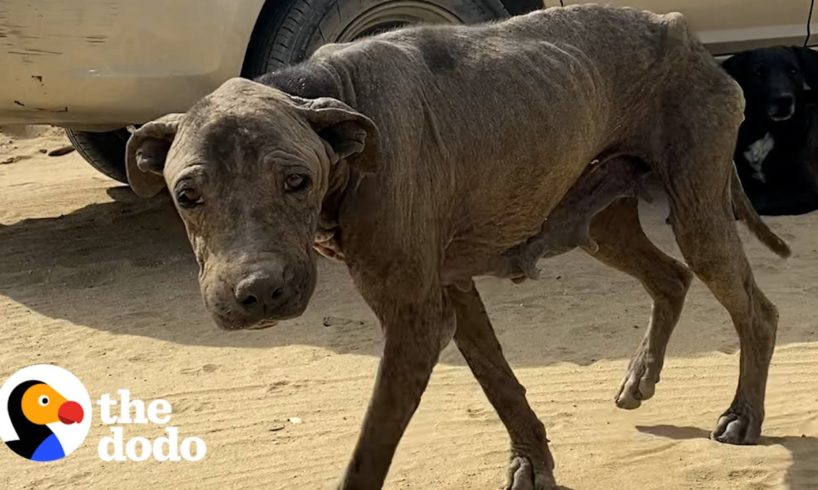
249 167
774 79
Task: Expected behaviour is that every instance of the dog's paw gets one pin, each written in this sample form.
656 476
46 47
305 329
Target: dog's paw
522 475
639 383
740 424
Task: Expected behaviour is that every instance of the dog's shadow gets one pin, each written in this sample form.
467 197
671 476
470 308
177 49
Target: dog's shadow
126 267
802 473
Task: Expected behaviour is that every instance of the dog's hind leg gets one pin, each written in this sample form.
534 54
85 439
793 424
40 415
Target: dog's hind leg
623 245
697 176
706 232
531 462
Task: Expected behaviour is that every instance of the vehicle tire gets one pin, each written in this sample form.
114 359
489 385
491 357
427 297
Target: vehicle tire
287 33
104 151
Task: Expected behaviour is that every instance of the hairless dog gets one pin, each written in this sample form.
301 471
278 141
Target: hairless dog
427 156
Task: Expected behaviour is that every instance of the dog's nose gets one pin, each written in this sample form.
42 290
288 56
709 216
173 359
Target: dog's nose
782 107
784 101
261 292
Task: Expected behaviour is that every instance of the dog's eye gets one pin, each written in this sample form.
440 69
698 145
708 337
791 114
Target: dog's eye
296 183
188 197
794 71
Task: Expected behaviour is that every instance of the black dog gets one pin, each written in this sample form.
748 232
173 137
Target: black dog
777 143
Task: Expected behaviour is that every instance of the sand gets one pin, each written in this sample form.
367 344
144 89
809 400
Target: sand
104 284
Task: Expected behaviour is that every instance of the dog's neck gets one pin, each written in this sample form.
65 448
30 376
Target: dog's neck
328 235
310 80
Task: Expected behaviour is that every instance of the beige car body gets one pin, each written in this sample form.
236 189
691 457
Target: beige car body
104 64
83 63
729 26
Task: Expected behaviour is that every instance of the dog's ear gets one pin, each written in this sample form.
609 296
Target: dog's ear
146 152
808 59
736 65
345 130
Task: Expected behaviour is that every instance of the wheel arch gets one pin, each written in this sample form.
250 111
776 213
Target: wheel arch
272 8
519 7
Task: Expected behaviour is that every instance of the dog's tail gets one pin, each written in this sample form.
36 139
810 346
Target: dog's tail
743 209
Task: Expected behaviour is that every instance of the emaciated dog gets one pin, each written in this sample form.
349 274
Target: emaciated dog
427 156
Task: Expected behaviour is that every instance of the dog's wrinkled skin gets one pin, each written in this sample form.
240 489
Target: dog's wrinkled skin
437 154
255 254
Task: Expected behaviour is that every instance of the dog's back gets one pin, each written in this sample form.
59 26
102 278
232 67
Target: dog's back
529 87
529 101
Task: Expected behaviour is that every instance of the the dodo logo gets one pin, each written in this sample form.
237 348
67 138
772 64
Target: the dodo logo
45 412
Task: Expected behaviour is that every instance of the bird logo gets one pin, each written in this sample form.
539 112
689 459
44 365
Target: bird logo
44 413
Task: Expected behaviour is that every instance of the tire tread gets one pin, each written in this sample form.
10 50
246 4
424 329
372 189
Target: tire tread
103 151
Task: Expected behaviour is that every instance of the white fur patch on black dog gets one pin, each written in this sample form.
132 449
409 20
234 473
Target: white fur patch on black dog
757 152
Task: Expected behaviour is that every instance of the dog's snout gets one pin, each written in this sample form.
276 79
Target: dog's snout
782 107
784 100
261 293
250 293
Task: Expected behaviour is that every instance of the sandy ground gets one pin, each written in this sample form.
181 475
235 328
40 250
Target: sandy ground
106 287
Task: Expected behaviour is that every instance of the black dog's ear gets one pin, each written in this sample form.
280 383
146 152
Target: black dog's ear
736 65
808 59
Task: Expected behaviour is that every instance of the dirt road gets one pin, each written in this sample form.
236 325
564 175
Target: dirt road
106 287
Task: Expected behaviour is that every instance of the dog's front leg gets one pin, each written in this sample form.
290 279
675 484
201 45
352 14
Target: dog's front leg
416 327
531 462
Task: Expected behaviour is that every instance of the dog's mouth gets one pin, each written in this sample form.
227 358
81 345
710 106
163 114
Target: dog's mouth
781 111
780 118
263 325
232 322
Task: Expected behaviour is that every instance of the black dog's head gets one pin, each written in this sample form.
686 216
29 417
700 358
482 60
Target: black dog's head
774 79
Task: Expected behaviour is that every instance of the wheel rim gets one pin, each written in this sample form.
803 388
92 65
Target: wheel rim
396 14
